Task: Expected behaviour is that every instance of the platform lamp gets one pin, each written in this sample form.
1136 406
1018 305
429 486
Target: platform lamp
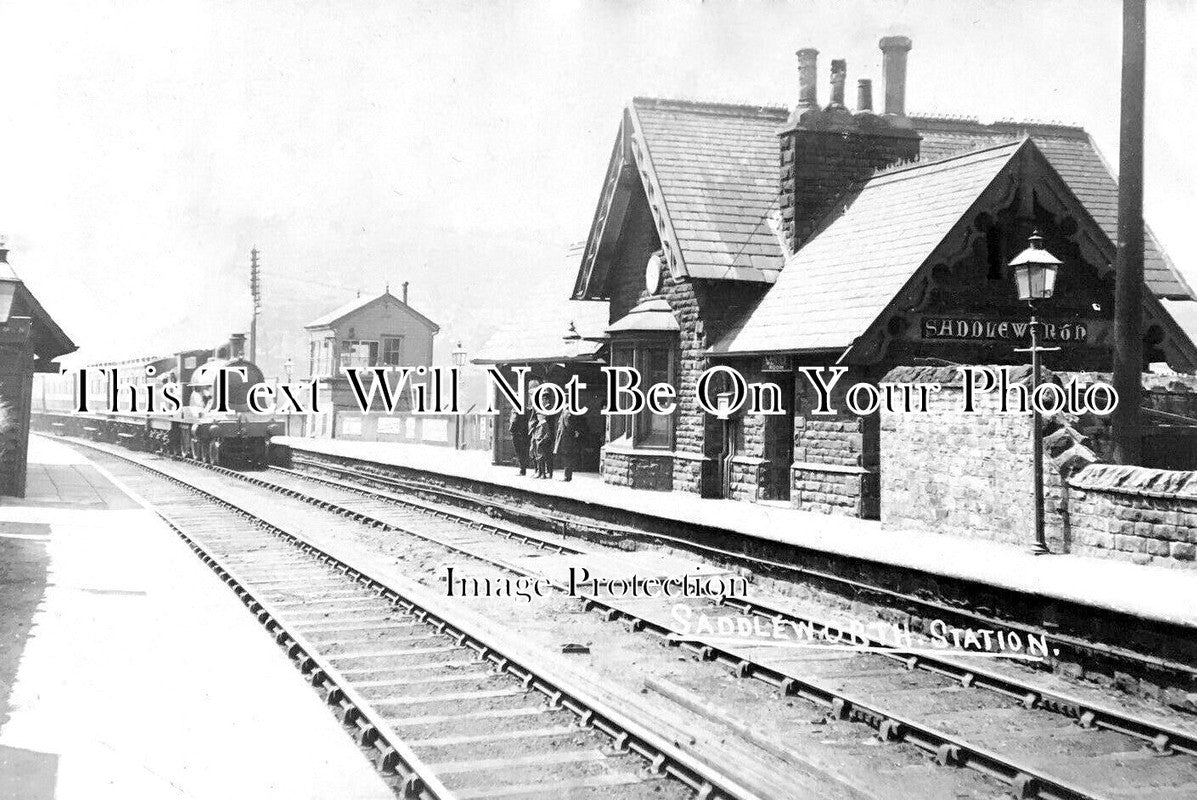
8 284
459 361
1035 276
288 368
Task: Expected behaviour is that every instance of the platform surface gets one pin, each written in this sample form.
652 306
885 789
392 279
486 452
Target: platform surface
128 670
1149 592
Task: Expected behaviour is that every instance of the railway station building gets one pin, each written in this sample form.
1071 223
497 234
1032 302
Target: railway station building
30 340
770 238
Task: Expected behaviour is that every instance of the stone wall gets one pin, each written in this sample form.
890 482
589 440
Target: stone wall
1148 516
970 475
947 470
638 469
817 166
835 456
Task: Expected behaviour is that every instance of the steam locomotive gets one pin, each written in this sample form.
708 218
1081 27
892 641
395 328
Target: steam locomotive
236 438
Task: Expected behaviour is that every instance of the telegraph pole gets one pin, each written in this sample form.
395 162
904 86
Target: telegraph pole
255 289
1128 286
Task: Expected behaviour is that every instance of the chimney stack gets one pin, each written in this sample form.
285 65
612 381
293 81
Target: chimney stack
839 74
864 96
237 345
405 292
825 151
894 50
808 88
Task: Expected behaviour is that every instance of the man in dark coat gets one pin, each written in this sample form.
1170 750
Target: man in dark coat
541 431
571 437
517 426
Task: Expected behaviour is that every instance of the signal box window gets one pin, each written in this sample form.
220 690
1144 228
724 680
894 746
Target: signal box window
392 351
360 354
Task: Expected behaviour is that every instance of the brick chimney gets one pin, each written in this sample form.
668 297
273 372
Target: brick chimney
864 96
893 72
808 79
839 74
825 152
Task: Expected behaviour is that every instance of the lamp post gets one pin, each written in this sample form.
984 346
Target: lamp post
1035 275
288 368
459 361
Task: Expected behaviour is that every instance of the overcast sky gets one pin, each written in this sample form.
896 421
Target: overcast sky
460 146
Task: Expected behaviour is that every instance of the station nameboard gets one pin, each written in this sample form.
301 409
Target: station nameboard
1000 330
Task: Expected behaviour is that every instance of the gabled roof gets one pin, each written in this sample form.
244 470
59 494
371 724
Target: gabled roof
710 172
835 286
717 169
836 292
49 341
1073 154
357 304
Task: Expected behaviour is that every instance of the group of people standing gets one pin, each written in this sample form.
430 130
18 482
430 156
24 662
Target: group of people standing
547 440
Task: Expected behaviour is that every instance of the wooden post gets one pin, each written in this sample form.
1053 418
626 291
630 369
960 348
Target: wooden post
1128 289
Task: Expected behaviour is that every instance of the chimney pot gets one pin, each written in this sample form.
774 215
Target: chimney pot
864 96
839 73
808 90
405 293
894 50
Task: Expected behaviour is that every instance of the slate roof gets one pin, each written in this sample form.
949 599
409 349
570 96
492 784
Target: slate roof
717 168
357 304
834 287
1073 154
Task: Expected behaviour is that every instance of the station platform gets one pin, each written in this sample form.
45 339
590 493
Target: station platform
1154 593
128 670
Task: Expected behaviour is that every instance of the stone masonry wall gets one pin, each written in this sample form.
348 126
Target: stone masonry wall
1148 516
971 475
835 456
638 470
817 166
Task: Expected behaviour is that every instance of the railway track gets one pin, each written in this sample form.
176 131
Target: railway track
1077 648
1019 734
442 710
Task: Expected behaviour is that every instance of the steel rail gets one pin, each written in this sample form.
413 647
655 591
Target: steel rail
355 713
627 733
896 598
486 525
1162 738
949 751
